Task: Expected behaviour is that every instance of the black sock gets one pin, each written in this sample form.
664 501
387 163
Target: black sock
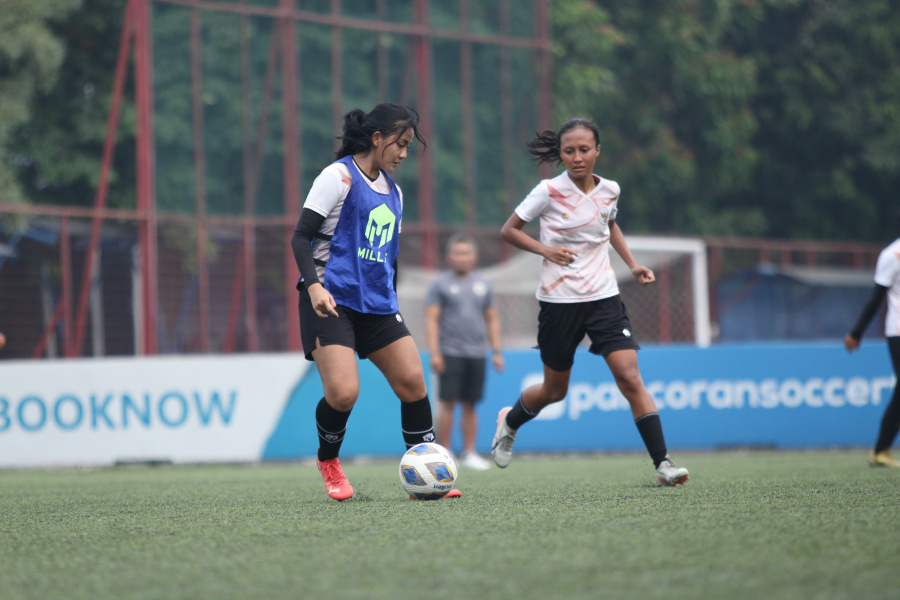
650 428
519 415
890 423
331 425
415 421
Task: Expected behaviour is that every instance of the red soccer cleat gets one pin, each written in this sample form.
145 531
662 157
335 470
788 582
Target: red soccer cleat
451 494
335 481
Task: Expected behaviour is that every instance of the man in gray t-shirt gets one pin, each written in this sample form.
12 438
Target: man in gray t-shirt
460 322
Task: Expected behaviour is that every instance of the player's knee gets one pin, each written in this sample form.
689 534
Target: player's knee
555 393
410 388
629 380
342 397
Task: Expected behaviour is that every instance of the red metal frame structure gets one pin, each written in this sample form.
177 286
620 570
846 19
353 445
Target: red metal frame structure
136 35
282 66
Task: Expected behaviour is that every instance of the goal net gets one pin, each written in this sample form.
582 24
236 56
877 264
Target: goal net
675 309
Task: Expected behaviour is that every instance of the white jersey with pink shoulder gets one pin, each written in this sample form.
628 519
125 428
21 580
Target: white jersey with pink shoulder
887 273
579 221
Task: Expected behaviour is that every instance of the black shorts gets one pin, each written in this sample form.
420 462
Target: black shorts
561 327
462 379
363 332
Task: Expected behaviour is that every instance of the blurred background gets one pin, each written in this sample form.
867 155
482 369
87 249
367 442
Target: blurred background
154 156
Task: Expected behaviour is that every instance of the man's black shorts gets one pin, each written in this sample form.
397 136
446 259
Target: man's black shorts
462 379
561 327
363 332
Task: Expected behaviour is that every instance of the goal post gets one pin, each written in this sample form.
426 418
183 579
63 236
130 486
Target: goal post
657 251
676 309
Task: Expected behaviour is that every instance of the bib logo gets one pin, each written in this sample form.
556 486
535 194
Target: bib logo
381 225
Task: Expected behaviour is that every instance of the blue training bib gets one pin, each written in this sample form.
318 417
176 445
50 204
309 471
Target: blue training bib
364 247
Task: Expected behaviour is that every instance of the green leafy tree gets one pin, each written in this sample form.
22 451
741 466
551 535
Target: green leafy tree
672 106
772 118
30 58
828 105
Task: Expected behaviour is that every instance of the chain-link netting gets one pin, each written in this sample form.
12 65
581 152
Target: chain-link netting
247 297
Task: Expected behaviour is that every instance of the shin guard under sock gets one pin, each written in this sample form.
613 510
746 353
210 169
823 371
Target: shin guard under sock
519 415
650 428
330 425
416 423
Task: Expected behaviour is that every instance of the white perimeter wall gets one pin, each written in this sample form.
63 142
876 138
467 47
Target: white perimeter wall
179 409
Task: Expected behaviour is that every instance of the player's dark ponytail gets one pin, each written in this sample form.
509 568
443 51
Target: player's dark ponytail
388 118
545 147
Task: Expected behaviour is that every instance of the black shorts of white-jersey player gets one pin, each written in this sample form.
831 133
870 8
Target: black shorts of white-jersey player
352 213
887 284
578 291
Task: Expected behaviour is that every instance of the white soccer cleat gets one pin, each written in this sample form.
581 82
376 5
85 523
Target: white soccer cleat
668 474
504 439
475 462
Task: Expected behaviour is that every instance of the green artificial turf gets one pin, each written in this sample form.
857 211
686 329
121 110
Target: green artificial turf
766 525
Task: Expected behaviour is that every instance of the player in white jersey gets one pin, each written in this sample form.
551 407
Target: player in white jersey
578 292
887 283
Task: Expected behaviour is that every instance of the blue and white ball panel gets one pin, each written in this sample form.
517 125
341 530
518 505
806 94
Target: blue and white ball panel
410 475
422 449
441 472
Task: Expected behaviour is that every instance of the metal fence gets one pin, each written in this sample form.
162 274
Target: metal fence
238 104
42 265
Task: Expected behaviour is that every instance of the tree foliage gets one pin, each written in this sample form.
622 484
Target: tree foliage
738 117
30 59
772 118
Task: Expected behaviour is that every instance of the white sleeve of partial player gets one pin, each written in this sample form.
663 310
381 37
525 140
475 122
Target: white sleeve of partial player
887 267
327 191
534 204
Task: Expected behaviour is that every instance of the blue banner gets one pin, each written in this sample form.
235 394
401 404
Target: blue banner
774 395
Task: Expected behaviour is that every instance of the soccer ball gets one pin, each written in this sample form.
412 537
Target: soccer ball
428 471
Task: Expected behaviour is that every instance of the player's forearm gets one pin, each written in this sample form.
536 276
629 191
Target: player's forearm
869 310
493 332
617 241
301 244
432 331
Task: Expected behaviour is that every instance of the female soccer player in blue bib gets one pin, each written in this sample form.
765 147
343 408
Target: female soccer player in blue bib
578 291
346 245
